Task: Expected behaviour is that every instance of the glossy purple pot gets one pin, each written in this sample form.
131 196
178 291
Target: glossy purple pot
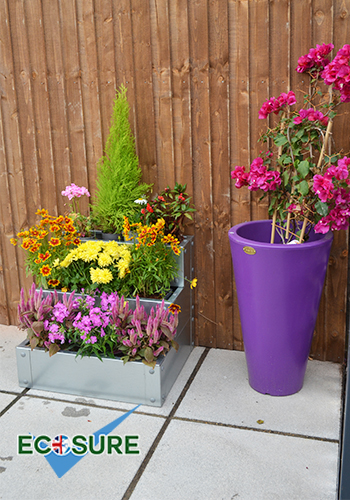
279 288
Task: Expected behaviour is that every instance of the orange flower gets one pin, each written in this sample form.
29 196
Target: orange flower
26 244
173 308
54 228
76 241
45 270
34 231
34 248
60 219
38 261
42 212
55 242
45 256
70 228
53 282
13 241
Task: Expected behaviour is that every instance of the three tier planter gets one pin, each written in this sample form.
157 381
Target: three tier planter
133 382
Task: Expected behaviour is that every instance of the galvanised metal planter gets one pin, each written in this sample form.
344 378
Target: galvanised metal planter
279 289
133 382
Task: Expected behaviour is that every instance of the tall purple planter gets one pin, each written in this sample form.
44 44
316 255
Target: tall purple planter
279 289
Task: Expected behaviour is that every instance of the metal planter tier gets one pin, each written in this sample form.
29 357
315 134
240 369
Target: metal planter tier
133 382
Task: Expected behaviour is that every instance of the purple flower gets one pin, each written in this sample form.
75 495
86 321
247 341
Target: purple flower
74 191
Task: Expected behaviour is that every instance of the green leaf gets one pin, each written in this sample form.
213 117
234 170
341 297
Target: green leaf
280 140
321 208
285 177
303 188
303 168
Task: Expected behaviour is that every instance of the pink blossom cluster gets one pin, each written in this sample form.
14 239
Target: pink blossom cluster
315 59
312 115
329 190
74 191
337 73
274 105
257 178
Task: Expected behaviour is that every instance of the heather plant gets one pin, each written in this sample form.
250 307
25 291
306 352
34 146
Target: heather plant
307 184
118 173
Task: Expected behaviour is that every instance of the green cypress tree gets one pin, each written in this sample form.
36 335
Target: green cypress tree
118 173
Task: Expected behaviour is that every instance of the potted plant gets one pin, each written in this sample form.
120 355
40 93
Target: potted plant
173 205
280 265
118 174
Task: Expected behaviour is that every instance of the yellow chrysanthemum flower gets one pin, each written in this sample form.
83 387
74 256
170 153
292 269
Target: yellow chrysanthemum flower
100 275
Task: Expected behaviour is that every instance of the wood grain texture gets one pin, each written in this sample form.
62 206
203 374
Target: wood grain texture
197 73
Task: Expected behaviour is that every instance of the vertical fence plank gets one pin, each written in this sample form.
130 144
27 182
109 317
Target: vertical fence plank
180 59
259 86
220 133
25 104
124 55
202 172
146 139
57 97
18 130
322 32
90 88
337 275
162 89
41 110
106 62
239 126
73 95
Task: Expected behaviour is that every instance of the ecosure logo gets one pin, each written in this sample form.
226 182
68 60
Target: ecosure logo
63 452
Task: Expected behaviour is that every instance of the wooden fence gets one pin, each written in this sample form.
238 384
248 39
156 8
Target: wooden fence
197 73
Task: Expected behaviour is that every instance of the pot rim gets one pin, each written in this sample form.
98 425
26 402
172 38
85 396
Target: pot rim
234 236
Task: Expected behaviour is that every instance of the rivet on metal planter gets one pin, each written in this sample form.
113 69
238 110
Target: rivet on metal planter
151 371
23 354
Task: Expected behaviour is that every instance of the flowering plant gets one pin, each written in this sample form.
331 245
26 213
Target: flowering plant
307 184
81 222
171 205
153 265
109 329
49 240
95 264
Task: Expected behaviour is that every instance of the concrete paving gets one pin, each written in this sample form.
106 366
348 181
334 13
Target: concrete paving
214 438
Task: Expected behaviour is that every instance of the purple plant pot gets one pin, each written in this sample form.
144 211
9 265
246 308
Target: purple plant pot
279 288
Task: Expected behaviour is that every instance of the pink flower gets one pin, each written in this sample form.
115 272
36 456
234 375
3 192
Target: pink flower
74 191
323 187
315 59
274 105
322 227
241 176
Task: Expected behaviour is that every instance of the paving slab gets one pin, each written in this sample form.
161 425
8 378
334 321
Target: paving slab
5 400
221 393
196 461
10 337
94 476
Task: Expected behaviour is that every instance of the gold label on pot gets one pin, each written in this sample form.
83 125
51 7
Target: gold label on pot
249 250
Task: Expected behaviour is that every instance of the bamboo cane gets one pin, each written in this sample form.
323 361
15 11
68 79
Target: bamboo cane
302 234
273 230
